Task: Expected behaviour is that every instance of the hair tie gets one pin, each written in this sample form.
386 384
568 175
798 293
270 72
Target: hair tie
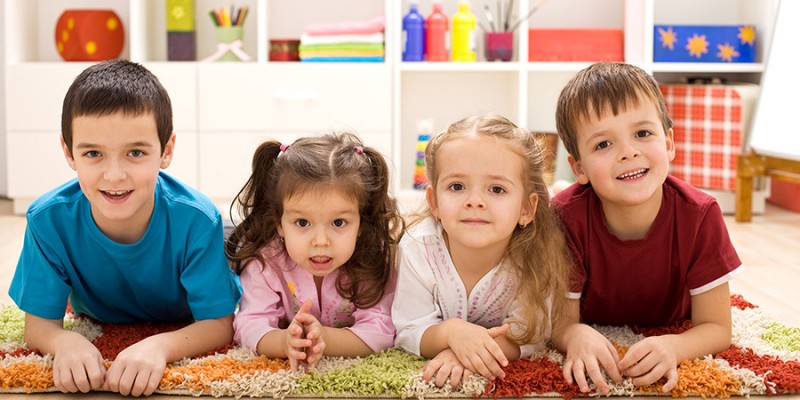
359 149
284 147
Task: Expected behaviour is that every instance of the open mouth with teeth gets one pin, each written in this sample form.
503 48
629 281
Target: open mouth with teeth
321 262
116 194
633 174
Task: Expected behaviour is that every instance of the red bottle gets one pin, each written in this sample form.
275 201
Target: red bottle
436 27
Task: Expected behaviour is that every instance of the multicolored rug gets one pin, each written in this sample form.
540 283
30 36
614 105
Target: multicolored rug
764 359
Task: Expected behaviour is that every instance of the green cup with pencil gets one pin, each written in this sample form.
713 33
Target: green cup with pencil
229 32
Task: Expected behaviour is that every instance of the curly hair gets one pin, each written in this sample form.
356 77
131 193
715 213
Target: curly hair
337 162
537 252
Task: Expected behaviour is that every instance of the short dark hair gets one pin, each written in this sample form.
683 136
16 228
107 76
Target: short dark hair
117 85
600 87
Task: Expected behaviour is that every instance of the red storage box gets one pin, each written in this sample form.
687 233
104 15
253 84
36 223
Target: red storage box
710 123
575 45
785 194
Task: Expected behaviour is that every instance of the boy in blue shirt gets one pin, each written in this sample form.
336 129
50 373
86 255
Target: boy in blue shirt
123 242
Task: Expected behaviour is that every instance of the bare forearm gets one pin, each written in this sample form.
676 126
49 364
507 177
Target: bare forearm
708 338
46 334
562 337
434 340
510 348
570 326
344 343
197 338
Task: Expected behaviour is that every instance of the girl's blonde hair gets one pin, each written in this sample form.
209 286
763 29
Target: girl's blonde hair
537 252
335 162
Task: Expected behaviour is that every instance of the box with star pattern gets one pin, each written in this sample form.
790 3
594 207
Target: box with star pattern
704 43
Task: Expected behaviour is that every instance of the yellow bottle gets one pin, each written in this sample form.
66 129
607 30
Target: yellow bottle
463 44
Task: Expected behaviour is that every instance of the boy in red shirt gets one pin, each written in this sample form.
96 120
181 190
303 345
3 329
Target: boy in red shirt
649 249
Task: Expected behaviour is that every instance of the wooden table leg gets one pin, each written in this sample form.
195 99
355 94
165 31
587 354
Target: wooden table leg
744 198
747 166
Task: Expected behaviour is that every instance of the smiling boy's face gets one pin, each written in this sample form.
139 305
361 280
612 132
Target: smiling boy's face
625 156
117 158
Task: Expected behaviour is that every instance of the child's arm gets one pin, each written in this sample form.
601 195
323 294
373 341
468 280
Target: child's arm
77 364
658 356
587 351
291 343
306 339
138 369
445 366
474 345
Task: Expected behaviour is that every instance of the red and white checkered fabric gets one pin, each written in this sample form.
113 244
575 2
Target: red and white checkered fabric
708 128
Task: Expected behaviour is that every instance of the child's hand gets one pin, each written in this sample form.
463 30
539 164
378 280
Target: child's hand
586 355
445 365
312 330
78 366
476 349
138 369
649 360
296 342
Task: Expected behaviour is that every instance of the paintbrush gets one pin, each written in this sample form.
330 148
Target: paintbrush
508 15
489 17
530 12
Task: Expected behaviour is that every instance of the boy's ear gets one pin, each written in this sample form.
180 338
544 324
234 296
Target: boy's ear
169 149
671 144
430 196
577 170
67 153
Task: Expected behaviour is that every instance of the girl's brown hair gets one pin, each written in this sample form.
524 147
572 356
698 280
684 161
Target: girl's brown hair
338 162
536 252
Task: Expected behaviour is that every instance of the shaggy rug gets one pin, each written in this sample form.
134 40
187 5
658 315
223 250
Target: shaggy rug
764 359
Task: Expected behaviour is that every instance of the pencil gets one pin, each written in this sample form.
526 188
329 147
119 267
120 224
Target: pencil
213 16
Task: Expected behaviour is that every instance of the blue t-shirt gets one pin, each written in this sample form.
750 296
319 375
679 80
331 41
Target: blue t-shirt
176 272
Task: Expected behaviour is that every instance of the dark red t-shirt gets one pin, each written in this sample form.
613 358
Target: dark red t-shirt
646 282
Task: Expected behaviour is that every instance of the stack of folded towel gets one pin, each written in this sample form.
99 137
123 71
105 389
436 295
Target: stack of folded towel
353 41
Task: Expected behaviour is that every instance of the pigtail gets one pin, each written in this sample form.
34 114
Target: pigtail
370 269
256 204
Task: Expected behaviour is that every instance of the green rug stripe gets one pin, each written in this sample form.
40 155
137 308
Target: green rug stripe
782 337
12 324
385 373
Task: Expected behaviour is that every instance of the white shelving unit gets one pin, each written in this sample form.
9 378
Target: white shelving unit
224 110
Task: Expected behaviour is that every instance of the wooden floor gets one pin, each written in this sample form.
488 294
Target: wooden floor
769 247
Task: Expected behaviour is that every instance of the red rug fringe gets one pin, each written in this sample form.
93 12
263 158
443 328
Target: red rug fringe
783 376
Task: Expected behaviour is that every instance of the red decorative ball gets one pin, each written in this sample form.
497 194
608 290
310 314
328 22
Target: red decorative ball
89 35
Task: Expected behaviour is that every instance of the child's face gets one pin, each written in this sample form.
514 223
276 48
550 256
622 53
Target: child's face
117 158
625 157
320 229
480 195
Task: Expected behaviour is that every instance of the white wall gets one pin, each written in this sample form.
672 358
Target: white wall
3 159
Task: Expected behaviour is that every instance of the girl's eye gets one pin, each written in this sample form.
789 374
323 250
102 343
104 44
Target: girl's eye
602 145
456 187
497 189
302 223
642 134
339 223
136 153
92 154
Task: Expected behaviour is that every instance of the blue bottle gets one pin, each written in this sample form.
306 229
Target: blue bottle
414 34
